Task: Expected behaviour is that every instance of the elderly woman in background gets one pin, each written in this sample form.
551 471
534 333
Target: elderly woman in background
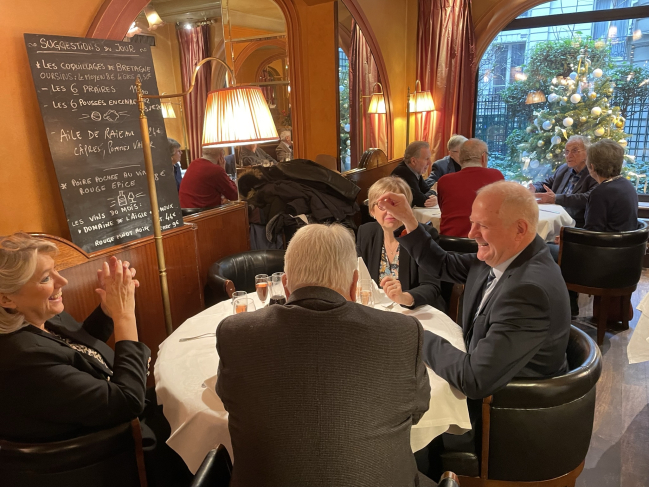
59 378
392 268
613 203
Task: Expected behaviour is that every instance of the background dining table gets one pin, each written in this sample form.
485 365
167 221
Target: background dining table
186 372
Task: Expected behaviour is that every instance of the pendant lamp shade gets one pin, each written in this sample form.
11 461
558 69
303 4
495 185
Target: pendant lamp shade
377 104
167 110
237 116
422 101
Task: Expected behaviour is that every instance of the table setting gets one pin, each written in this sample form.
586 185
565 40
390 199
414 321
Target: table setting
187 364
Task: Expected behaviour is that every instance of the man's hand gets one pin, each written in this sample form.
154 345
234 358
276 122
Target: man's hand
398 206
532 188
547 198
392 289
431 201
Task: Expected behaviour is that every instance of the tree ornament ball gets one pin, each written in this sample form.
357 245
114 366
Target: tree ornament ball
592 96
622 142
604 100
553 98
529 130
540 143
583 119
610 91
582 70
547 125
567 122
563 82
576 98
573 76
555 81
598 73
599 131
596 111
564 99
555 140
610 112
558 151
534 164
549 157
347 127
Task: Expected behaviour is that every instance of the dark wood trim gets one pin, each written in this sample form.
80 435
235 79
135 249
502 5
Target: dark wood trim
579 18
567 480
136 430
486 430
358 14
598 291
114 18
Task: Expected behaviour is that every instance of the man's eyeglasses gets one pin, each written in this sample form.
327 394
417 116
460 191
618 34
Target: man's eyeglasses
574 152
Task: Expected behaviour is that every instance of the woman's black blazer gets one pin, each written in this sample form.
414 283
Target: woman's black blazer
52 392
423 287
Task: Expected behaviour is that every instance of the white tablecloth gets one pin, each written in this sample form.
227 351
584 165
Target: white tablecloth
551 219
185 375
638 348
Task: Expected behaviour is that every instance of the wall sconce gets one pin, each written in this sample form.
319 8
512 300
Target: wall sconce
167 110
377 101
152 17
238 114
417 102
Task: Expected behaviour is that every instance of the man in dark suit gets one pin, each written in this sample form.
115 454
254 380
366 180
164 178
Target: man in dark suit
570 185
416 162
449 164
322 391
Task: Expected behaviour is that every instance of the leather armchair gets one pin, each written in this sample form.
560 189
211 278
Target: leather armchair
238 271
108 457
216 469
606 265
537 432
463 246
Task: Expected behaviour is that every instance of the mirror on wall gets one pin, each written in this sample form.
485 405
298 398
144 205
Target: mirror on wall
362 123
248 35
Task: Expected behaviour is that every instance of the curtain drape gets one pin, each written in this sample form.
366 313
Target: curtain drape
446 65
194 47
218 51
363 74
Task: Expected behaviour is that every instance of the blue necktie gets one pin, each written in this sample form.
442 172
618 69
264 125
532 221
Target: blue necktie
572 181
485 288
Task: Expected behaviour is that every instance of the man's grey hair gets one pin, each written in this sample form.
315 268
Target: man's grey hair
413 150
606 158
455 141
284 134
517 203
173 145
581 139
471 152
321 255
213 154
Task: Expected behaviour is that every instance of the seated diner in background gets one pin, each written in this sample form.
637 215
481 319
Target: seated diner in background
60 379
416 162
613 203
301 378
206 181
457 191
449 164
516 314
253 155
284 150
176 155
571 184
390 266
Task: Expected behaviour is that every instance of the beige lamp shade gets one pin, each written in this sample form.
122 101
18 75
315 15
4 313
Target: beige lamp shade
422 101
237 116
168 110
377 103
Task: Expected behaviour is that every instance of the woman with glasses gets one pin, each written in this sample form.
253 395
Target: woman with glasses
613 204
403 281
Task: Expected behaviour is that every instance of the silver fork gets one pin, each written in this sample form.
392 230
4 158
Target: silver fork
204 335
389 306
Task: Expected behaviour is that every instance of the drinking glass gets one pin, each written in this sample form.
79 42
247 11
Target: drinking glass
242 305
261 285
277 294
366 295
238 294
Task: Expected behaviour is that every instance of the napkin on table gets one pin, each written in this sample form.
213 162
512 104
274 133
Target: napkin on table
378 295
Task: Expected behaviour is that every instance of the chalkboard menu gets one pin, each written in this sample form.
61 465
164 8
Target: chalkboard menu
86 92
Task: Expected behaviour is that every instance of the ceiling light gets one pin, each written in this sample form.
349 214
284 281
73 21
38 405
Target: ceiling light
152 17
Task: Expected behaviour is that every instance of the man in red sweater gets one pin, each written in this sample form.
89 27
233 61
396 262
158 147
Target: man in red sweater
206 180
456 191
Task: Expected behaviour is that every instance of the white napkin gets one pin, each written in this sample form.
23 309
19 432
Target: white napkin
638 349
378 295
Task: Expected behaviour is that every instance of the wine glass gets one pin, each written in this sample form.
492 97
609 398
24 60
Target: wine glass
261 285
277 294
242 305
366 295
238 294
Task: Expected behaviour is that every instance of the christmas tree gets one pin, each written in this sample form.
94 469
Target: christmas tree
578 103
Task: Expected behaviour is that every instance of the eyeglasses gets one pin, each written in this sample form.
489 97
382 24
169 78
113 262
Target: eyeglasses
380 207
574 152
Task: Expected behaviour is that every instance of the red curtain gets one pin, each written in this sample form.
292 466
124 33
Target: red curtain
363 75
446 65
194 47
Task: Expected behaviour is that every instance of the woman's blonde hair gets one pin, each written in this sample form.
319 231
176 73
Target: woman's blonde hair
390 184
17 265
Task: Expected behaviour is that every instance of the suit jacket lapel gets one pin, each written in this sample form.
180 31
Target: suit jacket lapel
473 295
376 245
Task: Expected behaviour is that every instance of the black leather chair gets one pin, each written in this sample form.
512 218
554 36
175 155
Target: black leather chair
216 469
112 457
238 271
456 291
605 265
537 432
193 211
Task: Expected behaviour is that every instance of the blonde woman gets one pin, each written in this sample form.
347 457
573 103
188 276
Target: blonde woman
392 268
59 379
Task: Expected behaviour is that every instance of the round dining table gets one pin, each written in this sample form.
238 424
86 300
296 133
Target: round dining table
551 219
186 373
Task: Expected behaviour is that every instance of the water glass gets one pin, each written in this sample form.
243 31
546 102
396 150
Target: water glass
242 305
365 293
